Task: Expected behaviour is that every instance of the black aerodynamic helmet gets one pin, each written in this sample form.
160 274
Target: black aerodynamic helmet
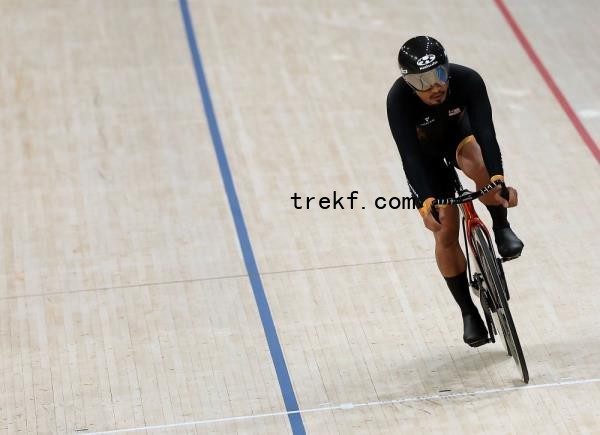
420 55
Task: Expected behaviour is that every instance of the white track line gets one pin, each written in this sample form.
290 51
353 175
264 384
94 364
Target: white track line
346 406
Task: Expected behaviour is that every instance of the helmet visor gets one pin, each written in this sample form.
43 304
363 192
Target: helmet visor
425 81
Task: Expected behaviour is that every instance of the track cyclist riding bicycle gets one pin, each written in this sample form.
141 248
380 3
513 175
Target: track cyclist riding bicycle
439 110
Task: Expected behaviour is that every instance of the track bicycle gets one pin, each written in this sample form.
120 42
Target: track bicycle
488 281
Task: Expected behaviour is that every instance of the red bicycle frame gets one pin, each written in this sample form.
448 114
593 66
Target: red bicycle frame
472 220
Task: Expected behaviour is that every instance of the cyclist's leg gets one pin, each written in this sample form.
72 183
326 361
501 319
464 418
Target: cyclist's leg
451 260
452 265
448 253
465 153
470 160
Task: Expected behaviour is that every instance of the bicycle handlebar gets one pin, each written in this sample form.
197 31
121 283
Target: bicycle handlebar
467 196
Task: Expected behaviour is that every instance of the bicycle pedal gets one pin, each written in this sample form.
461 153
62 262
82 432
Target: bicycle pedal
505 259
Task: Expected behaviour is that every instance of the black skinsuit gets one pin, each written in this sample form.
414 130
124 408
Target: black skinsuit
425 135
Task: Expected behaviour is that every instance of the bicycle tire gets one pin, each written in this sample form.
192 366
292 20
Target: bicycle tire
497 287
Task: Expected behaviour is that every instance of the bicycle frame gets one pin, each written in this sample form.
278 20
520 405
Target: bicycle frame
471 220
470 217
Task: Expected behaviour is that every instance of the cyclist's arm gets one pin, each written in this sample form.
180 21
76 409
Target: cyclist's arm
480 115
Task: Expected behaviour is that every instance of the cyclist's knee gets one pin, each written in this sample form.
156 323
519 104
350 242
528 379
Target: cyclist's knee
448 235
470 161
446 238
469 151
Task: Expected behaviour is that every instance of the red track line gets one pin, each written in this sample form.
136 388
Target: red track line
587 138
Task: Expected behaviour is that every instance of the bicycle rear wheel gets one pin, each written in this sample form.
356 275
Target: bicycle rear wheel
498 290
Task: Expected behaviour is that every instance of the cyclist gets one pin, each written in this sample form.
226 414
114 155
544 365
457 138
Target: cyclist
439 110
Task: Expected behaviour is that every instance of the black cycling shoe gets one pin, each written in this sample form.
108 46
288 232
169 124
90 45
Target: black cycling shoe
475 331
509 245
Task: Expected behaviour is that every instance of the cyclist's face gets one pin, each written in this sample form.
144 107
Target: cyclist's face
434 96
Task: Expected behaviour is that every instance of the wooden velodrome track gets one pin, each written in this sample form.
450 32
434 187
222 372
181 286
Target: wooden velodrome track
150 283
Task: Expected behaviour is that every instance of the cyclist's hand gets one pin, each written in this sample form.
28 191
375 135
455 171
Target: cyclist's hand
513 197
495 197
430 222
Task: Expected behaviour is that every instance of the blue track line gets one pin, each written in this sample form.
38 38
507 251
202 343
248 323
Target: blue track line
285 383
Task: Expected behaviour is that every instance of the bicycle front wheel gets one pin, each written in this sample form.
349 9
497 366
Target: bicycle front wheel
498 290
